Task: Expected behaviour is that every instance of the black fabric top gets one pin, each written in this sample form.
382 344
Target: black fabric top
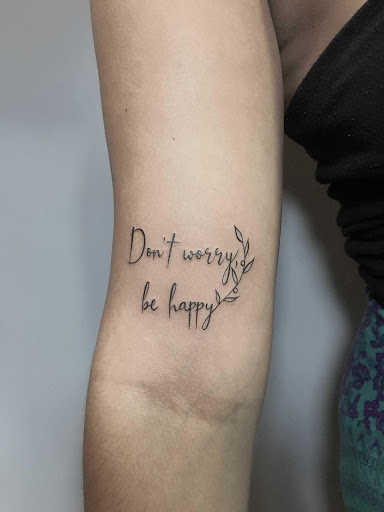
337 115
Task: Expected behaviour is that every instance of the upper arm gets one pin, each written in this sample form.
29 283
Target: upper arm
191 95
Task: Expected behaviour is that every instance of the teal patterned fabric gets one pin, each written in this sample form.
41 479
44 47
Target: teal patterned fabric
361 416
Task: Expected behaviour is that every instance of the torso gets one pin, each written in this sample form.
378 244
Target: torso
304 28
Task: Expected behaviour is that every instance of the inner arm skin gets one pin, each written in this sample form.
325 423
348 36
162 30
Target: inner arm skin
192 102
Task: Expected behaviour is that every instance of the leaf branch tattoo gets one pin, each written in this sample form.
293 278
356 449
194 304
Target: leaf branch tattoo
231 296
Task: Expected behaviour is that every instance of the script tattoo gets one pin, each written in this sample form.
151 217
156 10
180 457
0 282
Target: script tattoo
237 264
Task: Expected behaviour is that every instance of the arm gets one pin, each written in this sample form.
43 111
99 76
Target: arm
191 94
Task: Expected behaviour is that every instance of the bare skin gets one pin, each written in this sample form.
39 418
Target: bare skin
304 28
193 104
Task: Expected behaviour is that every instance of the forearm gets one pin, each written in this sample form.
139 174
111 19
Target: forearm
191 98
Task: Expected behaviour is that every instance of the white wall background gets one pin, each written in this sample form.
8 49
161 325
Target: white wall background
56 230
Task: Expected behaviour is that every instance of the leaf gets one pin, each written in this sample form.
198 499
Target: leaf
217 296
225 277
246 248
230 299
234 275
239 236
248 266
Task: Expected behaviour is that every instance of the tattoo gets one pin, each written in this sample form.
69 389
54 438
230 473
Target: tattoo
199 312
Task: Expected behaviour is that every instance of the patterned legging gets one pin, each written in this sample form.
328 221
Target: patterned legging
361 416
